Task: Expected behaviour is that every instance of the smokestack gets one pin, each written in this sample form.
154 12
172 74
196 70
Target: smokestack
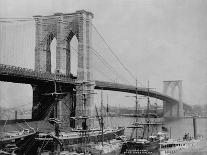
195 127
15 117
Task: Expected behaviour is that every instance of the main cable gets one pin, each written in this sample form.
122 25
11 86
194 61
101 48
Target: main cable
113 53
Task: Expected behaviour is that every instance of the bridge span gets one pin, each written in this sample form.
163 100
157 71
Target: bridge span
29 76
63 27
140 90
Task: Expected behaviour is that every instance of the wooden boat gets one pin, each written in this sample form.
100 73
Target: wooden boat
83 140
13 141
144 144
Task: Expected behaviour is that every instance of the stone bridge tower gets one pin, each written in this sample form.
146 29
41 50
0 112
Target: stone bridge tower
64 27
172 109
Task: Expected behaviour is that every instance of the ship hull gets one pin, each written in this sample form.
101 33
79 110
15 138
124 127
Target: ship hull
21 142
15 140
94 138
114 152
133 148
68 143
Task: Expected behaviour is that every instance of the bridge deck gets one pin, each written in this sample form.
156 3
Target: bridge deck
28 76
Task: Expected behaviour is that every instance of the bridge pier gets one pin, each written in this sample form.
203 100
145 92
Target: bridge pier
172 109
64 27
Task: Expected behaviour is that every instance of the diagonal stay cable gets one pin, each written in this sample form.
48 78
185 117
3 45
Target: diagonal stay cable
113 53
104 62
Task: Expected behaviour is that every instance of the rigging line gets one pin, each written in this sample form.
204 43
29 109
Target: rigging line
30 146
46 111
69 108
111 118
110 49
45 144
50 110
26 142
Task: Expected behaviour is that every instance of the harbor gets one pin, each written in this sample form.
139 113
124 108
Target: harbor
103 78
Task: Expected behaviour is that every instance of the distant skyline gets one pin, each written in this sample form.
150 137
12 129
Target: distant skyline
156 39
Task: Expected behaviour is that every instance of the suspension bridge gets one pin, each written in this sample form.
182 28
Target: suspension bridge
77 66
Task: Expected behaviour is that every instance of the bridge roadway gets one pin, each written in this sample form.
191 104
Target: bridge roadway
28 76
140 90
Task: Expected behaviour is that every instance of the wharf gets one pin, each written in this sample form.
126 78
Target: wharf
199 149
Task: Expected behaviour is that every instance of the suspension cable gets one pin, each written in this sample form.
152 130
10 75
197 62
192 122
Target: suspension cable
102 60
113 53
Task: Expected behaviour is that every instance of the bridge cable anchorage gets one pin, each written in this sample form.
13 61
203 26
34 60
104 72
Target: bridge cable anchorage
113 53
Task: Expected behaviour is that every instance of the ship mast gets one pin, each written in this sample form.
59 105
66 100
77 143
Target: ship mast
102 124
148 105
136 109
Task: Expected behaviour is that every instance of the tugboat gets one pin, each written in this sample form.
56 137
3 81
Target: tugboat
144 144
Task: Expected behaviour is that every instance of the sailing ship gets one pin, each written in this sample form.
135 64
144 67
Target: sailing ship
112 147
77 140
146 143
13 141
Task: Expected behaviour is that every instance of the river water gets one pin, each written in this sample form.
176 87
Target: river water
178 126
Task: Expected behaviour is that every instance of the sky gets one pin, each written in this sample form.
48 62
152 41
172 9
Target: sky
156 39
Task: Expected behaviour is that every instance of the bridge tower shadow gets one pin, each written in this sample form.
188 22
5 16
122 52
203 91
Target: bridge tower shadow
173 109
63 27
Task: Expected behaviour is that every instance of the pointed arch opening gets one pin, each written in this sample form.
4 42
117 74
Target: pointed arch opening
176 93
74 55
53 46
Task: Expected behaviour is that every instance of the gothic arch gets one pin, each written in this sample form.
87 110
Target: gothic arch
64 27
171 86
48 38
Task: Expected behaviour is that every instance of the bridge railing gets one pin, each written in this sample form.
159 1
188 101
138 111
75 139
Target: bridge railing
19 71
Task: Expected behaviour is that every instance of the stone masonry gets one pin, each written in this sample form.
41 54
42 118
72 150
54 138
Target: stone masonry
170 109
64 27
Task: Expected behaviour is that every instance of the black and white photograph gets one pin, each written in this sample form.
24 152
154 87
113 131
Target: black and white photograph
103 77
